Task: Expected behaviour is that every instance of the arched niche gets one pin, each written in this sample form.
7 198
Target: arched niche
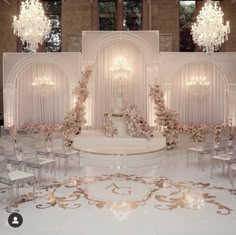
16 64
37 105
99 46
200 106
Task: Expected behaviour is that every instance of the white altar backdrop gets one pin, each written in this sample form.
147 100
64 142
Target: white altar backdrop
208 106
38 106
105 86
21 103
175 70
141 49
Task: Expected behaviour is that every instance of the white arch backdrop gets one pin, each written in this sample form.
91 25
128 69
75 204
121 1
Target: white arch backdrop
221 70
141 49
19 66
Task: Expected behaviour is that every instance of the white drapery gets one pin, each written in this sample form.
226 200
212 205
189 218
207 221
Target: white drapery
205 108
232 103
35 107
103 86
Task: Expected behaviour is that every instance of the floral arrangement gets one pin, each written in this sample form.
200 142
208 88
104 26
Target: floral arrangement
13 132
137 126
197 132
30 128
75 119
45 130
165 117
109 129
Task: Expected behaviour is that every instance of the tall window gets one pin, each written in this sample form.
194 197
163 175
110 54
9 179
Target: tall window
120 14
107 14
187 17
53 12
132 15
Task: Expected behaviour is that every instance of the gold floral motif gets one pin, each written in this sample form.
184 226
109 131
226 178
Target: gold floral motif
165 194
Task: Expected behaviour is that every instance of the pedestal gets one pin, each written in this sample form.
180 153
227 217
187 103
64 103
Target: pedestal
121 125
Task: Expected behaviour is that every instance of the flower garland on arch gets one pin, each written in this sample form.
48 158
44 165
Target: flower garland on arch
137 126
75 119
165 117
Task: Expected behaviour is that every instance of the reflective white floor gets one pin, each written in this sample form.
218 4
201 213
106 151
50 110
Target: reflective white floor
165 198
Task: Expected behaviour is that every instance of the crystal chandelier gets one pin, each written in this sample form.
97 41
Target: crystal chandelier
120 68
198 85
42 84
32 26
209 31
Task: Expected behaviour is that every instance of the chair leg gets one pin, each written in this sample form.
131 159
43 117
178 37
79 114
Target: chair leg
39 176
212 166
202 162
79 158
11 195
66 165
34 189
231 180
187 158
223 167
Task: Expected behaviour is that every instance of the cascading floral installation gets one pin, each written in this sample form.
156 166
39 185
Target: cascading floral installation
165 117
137 126
75 119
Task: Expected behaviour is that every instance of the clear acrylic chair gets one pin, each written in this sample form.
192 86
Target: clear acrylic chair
13 178
232 173
33 160
13 150
223 142
60 151
226 159
205 149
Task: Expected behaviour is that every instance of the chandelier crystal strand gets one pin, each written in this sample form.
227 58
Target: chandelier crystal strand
209 31
42 84
198 85
32 26
120 68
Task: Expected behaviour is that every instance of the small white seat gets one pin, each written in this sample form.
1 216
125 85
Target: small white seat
225 159
206 148
60 151
19 175
14 178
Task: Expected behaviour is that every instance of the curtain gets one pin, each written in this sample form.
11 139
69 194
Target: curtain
103 87
232 104
42 105
204 107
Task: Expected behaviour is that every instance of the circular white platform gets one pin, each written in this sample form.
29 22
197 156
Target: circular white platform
97 149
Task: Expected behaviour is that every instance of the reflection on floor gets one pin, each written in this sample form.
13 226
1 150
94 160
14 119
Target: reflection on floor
166 198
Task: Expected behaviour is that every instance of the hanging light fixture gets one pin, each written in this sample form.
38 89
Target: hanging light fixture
198 85
42 84
32 26
120 68
209 31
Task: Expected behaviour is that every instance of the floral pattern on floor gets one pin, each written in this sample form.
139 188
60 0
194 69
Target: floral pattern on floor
161 193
